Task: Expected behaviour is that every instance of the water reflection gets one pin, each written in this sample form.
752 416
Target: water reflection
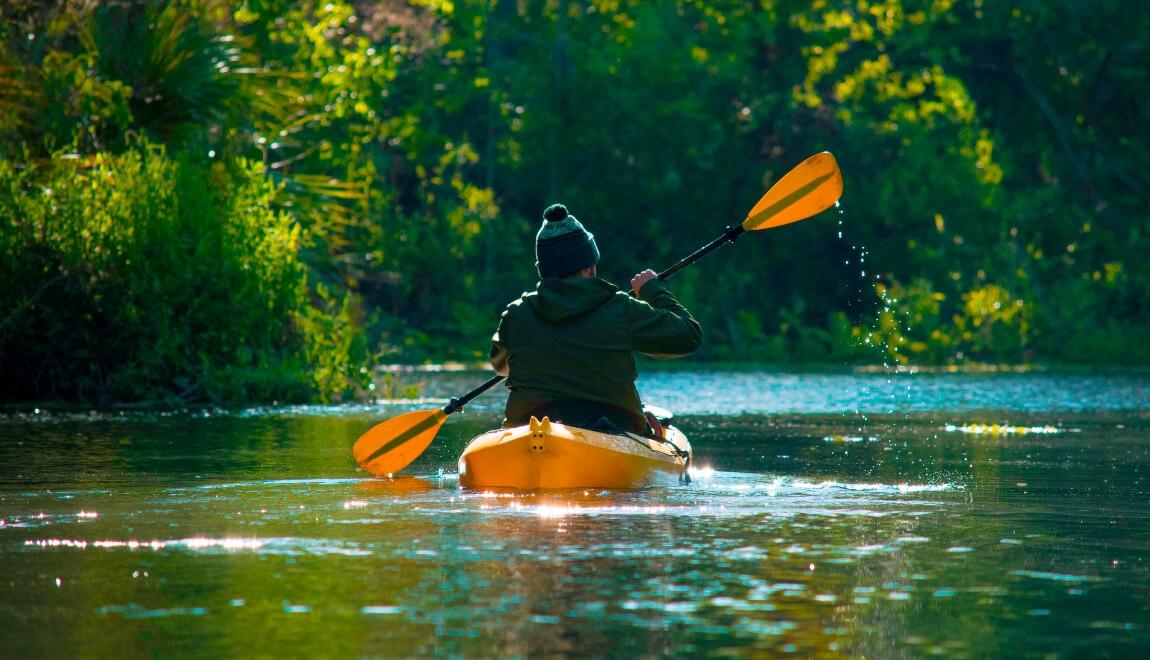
808 534
738 554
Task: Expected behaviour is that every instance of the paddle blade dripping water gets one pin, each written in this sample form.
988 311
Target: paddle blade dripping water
813 186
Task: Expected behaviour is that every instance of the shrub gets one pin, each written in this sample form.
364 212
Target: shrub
144 276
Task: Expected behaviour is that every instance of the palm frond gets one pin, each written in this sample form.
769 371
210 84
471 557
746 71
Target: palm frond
17 97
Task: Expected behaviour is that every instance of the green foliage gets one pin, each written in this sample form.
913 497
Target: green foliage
370 176
139 276
334 347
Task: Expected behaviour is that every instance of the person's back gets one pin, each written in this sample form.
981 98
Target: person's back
567 348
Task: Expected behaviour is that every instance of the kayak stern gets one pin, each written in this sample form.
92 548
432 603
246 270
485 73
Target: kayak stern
546 454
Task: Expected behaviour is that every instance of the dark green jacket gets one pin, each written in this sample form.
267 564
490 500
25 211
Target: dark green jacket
575 339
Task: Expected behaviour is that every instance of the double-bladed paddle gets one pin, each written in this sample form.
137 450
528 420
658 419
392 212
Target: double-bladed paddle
811 187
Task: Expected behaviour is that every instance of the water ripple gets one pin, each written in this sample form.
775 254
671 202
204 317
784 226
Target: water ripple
290 546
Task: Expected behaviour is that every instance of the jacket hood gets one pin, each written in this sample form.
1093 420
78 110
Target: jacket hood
557 300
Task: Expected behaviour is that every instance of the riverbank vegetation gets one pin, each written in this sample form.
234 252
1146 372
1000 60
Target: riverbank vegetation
214 201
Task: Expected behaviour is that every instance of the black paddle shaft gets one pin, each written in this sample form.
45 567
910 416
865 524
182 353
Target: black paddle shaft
728 236
457 403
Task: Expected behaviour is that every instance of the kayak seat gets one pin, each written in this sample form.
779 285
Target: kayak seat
594 415
605 425
662 414
655 429
658 419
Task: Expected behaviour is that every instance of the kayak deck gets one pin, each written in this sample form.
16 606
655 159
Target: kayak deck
545 454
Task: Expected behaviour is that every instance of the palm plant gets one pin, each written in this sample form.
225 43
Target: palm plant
14 94
199 84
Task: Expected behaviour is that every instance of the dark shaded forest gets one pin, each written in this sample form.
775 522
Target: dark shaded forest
208 201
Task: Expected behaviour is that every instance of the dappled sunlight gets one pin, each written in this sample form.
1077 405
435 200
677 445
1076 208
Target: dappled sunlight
193 544
1003 429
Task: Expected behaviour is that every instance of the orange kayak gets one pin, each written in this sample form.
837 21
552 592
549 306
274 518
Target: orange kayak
546 454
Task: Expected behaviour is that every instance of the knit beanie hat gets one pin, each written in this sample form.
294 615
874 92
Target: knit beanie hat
562 246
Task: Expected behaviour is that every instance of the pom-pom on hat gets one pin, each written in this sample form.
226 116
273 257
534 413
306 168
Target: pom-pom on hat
562 246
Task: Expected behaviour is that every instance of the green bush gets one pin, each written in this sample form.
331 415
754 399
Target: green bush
144 276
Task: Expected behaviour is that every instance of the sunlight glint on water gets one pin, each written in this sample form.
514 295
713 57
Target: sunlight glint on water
812 533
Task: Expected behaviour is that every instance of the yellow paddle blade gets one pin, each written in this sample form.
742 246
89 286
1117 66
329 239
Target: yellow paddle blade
811 187
390 446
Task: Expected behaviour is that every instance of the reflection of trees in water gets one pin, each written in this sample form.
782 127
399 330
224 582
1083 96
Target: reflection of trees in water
540 575
914 560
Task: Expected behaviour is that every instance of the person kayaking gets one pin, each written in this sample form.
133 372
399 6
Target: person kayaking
568 348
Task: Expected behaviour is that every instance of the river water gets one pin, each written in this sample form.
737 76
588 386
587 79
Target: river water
831 515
